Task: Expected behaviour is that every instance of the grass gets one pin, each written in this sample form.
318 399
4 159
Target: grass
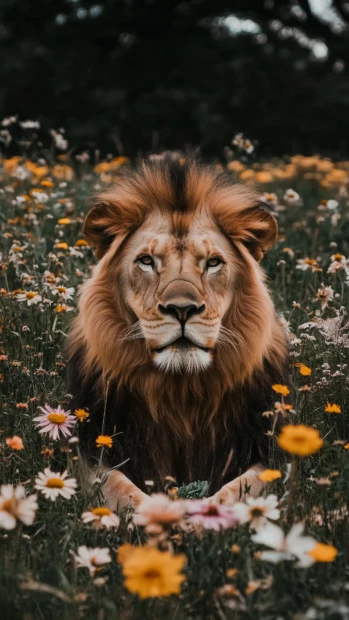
38 577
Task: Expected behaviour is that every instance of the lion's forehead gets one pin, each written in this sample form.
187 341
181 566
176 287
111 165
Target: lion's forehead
159 236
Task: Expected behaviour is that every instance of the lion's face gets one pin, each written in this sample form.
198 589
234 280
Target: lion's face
179 287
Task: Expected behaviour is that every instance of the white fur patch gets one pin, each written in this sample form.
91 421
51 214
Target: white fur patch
179 360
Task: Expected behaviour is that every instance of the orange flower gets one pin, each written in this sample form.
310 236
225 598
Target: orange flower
81 414
104 441
300 439
15 443
323 553
333 408
303 369
281 389
61 245
269 475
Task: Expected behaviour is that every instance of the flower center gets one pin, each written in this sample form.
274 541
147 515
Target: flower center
55 483
8 506
310 261
61 289
56 418
257 512
298 439
30 295
101 512
212 511
152 573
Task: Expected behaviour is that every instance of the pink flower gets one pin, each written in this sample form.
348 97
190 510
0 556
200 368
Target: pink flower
54 421
203 514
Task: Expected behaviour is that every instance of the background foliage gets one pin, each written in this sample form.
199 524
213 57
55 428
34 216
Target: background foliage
140 75
41 214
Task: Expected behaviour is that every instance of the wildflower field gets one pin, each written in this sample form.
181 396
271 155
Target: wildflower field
63 553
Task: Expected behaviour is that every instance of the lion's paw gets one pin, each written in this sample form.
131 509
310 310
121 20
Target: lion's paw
226 496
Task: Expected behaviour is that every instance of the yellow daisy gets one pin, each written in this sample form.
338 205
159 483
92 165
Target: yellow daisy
300 439
323 553
150 573
281 389
269 475
104 441
333 408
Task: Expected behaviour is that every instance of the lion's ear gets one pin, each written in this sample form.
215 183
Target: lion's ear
259 231
101 227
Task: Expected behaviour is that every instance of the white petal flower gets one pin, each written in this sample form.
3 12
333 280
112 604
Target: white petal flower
286 547
257 511
100 517
92 558
14 505
55 421
31 297
291 196
159 509
63 292
52 484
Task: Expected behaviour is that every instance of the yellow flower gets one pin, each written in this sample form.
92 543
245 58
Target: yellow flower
104 441
323 553
333 408
80 243
281 389
64 220
123 552
346 447
150 573
269 475
304 370
63 172
61 245
300 439
81 414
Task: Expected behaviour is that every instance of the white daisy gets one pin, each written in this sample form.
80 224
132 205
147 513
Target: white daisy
339 262
324 295
31 297
92 558
285 547
270 199
52 484
14 505
307 263
100 517
63 292
158 509
55 421
257 510
291 196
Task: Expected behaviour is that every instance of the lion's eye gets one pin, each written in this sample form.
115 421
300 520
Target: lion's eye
145 260
214 262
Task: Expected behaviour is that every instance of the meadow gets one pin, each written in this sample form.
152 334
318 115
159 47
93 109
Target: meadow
63 554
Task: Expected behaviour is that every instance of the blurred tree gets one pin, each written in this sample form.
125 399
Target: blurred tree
148 74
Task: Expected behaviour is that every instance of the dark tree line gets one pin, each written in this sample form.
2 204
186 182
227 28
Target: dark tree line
137 75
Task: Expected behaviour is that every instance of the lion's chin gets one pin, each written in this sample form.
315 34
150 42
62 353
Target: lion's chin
188 361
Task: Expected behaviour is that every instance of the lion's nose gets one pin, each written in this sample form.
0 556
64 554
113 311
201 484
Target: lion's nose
182 313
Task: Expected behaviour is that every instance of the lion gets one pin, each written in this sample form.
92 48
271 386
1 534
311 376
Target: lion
177 342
